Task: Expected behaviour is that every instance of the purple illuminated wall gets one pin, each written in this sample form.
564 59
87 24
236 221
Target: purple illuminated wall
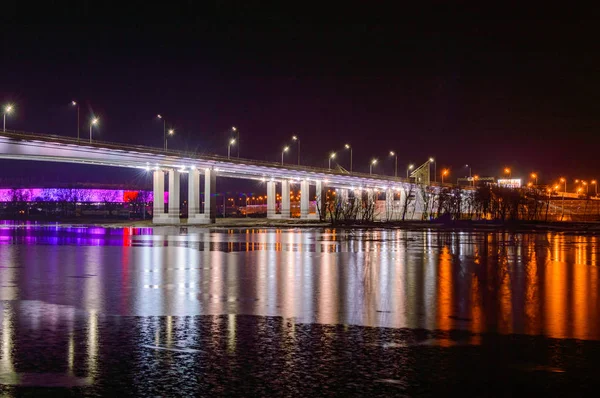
75 194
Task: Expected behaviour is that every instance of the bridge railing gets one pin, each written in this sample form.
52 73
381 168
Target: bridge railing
195 155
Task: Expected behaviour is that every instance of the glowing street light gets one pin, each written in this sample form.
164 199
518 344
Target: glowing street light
535 177
93 122
392 153
236 131
74 103
347 146
585 184
373 163
231 142
7 111
410 167
507 171
445 172
295 138
331 156
432 160
564 180
595 184
285 149
169 133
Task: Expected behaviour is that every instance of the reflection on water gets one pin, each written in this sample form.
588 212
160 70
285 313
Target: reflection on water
477 281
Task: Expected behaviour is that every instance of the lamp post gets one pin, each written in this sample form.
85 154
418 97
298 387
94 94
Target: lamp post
74 103
164 130
564 180
295 138
285 149
347 146
170 132
595 184
7 111
410 167
231 142
507 171
93 122
535 177
585 184
331 156
392 153
432 160
373 163
237 132
444 174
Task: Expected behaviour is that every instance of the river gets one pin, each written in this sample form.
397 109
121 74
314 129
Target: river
296 312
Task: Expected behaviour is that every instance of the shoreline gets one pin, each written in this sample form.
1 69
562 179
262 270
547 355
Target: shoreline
460 225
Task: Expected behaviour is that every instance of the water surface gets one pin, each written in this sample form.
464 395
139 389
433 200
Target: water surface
95 310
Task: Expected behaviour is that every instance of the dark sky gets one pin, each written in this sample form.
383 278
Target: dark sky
446 81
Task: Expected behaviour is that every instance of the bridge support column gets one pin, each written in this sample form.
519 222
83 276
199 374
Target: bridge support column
172 215
304 199
209 214
389 205
285 199
158 193
320 201
271 200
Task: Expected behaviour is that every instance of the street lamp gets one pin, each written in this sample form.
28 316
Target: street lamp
285 149
585 184
410 167
593 182
231 142
237 132
7 111
169 133
432 160
295 138
564 180
74 103
535 177
93 122
373 163
392 153
507 171
444 174
347 146
331 156
164 130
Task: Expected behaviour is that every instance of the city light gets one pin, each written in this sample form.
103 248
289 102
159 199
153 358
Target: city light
347 146
373 163
93 122
7 111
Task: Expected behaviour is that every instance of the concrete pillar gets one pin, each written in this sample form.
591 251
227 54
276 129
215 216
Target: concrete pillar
210 196
194 202
389 205
174 196
158 188
172 215
343 196
320 199
304 199
271 200
285 199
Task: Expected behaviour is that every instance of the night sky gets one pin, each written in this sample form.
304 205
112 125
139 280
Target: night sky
445 82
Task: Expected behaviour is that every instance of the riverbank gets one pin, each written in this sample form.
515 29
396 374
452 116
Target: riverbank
461 225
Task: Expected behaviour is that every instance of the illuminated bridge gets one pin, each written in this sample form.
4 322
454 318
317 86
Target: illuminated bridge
50 148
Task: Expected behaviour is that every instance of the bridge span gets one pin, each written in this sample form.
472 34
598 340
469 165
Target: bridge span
173 163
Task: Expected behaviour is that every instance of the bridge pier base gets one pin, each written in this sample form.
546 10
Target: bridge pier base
285 199
304 199
209 216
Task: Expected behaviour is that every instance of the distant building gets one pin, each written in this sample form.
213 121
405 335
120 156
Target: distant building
509 182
